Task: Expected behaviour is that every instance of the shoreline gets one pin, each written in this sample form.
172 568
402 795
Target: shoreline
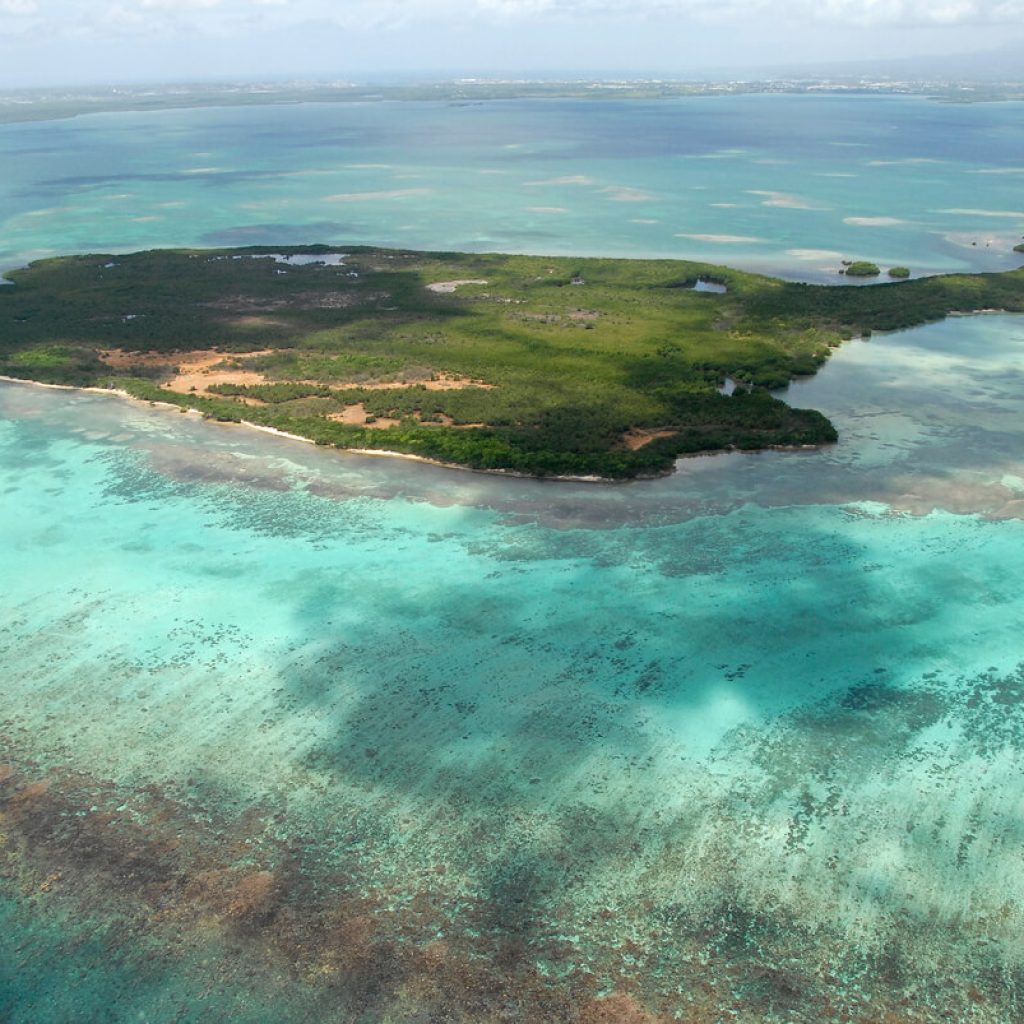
376 452
409 456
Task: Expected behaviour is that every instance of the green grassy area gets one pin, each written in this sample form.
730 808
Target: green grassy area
601 367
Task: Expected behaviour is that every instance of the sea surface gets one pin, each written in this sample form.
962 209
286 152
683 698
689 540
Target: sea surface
289 734
784 184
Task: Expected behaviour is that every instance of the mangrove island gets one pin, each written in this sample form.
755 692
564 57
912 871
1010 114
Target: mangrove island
547 366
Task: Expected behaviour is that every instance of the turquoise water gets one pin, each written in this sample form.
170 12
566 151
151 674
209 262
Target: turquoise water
294 735
789 184
334 737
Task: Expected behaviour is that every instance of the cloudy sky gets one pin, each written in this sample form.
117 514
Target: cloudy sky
58 42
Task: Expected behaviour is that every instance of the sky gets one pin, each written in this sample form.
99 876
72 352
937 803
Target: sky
68 42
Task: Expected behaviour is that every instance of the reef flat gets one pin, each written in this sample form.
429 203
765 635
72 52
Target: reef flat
605 368
292 737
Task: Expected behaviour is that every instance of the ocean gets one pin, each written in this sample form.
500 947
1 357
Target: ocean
783 184
289 734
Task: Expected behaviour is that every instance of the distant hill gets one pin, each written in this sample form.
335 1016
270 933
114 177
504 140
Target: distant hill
1001 65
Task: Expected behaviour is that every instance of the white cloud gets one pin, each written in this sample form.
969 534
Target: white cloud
384 12
178 5
168 39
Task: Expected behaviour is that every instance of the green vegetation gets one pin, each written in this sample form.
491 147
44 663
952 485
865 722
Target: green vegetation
861 268
1019 248
614 377
899 273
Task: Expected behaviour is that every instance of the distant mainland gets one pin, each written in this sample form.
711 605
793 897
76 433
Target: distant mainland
974 82
545 366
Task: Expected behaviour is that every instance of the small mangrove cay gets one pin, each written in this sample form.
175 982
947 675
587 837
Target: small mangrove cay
548 366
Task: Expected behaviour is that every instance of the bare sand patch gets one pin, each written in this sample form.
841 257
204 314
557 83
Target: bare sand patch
120 359
195 368
199 369
636 439
257 321
356 416
197 374
447 287
200 381
442 382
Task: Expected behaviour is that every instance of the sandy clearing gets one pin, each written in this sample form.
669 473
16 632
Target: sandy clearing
257 321
447 287
355 415
442 382
199 369
636 439
200 381
120 359
196 374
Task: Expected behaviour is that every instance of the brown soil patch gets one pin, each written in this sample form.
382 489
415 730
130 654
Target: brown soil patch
199 369
199 381
119 359
258 321
443 382
195 368
584 314
6 771
355 415
636 439
446 383
196 372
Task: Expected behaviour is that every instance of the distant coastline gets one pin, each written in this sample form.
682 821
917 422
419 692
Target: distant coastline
45 104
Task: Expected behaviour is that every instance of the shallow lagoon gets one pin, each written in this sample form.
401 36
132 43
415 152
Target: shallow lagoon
293 734
786 184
